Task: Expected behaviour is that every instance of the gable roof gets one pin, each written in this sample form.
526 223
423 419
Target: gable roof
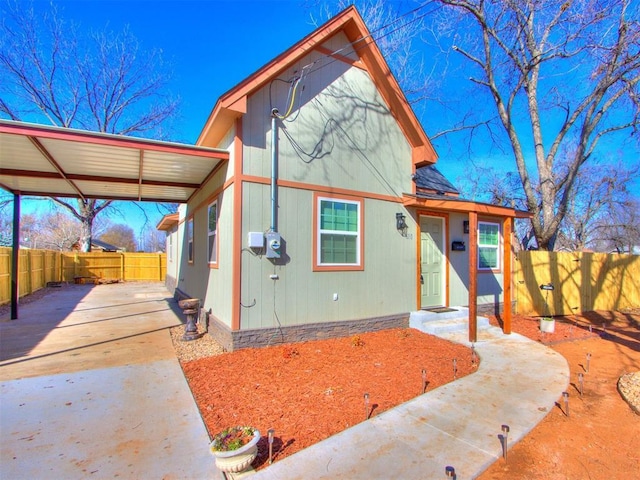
233 104
168 222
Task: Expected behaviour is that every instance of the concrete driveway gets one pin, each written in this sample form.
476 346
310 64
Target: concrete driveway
91 387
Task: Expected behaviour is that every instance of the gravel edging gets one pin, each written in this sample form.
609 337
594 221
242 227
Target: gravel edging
629 388
205 346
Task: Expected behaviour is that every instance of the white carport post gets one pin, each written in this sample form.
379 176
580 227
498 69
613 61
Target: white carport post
15 257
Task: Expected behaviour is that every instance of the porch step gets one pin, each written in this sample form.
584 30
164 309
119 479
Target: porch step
455 319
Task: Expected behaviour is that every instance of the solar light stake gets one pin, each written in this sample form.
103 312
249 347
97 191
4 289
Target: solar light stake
455 368
474 355
505 441
366 406
565 396
588 361
590 328
424 380
270 433
450 472
581 382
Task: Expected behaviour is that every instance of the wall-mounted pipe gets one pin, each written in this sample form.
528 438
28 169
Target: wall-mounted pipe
274 170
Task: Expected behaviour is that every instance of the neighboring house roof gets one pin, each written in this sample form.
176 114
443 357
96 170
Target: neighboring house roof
168 221
107 247
233 103
430 178
99 245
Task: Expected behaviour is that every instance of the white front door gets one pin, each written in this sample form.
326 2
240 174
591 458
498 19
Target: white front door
432 261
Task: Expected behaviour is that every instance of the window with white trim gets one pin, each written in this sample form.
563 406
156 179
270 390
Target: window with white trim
190 240
212 232
338 230
488 246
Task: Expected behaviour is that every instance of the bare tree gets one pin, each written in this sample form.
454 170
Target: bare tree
619 231
99 81
600 196
152 240
563 78
121 236
59 231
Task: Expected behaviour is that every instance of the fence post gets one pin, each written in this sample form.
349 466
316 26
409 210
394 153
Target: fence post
123 264
29 272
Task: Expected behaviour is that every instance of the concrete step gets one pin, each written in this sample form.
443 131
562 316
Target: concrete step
437 323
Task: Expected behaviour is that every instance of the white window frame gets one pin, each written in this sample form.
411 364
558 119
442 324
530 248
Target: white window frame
486 246
212 233
190 246
357 265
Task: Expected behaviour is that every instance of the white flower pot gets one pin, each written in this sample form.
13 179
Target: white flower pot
547 325
235 461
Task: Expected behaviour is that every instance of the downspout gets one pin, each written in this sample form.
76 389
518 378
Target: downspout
274 170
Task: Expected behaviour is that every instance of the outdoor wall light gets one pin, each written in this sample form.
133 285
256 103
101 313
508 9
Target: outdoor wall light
401 225
465 226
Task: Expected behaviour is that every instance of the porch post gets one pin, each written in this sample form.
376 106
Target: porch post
473 277
506 287
15 257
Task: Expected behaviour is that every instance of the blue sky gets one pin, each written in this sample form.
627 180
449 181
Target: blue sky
211 44
214 44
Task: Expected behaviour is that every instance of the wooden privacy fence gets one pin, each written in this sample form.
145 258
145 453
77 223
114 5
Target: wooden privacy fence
582 282
39 267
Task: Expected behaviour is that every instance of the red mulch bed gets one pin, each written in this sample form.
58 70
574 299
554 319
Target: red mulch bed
309 391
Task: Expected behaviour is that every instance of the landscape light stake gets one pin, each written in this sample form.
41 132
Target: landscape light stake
581 382
270 433
590 328
455 368
565 396
588 362
366 406
450 472
474 355
505 441
424 380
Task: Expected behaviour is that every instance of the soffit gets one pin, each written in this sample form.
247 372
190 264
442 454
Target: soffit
456 204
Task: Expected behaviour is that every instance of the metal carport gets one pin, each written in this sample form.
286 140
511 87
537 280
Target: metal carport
61 162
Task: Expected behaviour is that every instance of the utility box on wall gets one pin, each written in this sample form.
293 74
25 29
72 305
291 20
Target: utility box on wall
273 244
255 240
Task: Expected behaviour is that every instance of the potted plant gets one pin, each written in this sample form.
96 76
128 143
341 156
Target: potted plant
235 448
547 324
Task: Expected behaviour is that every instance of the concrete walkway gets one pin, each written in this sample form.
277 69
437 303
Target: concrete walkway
457 425
91 388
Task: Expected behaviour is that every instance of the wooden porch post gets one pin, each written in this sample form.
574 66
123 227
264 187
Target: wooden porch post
506 287
473 277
